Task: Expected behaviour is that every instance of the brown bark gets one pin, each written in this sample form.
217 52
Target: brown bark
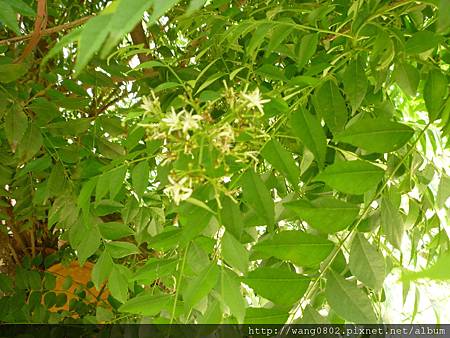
138 36
39 25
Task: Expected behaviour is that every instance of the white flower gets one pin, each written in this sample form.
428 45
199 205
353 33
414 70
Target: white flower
172 120
190 122
179 191
183 121
254 100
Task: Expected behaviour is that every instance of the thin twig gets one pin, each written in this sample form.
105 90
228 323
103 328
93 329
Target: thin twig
47 31
33 244
14 254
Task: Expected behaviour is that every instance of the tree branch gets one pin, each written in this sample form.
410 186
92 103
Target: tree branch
47 31
39 25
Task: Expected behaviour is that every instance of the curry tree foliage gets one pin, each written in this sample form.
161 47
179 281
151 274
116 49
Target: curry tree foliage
223 161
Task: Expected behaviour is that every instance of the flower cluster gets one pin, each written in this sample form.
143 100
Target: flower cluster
224 138
213 142
151 104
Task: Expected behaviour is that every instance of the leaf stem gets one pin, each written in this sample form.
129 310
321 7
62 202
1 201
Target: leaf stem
172 316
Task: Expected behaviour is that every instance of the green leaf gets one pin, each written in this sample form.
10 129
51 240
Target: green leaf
355 83
118 285
169 238
12 72
150 64
200 204
258 197
282 160
139 177
265 316
213 78
257 38
212 315
297 247
330 105
308 129
160 7
31 143
306 49
443 192
102 269
84 198
195 5
102 186
236 72
147 304
407 78
231 217
156 269
121 249
348 301
376 135
201 285
194 219
114 230
271 72
391 222
16 123
69 127
326 214
37 165
367 263
383 52
234 253
61 299
421 42
124 18
278 285
351 177
103 315
444 16
22 8
438 271
230 291
8 17
279 33
89 245
56 180
434 93
6 284
91 40
116 178
34 279
50 299
59 46
311 316
167 85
